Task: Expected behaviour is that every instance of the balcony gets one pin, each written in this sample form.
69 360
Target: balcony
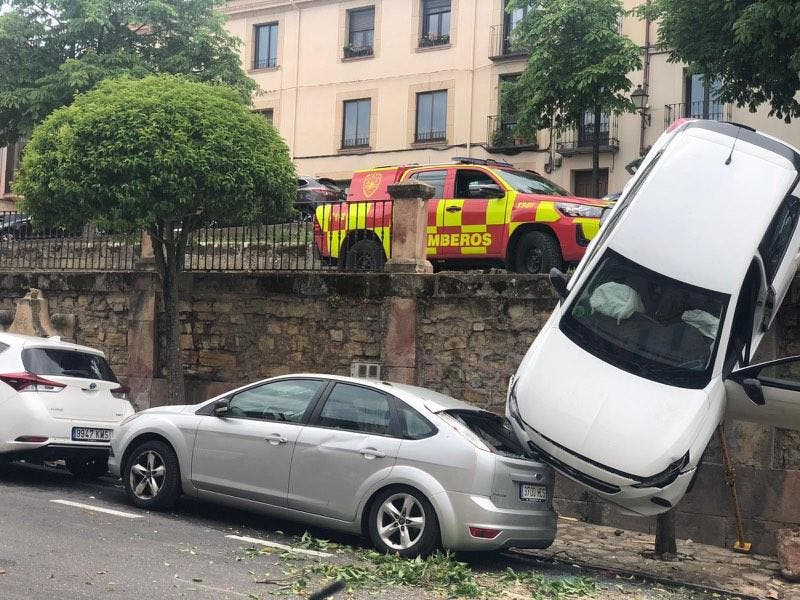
501 137
430 137
580 140
501 46
702 109
350 143
265 62
353 51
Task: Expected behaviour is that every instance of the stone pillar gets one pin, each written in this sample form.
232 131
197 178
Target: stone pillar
409 227
32 316
399 352
142 340
147 259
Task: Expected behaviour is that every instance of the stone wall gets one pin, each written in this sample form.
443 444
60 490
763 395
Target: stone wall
469 331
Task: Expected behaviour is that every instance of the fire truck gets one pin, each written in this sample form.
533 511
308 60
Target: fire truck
483 211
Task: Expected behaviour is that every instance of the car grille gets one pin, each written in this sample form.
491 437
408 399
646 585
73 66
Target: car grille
588 480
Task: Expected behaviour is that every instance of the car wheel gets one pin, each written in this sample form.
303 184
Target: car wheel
537 252
152 476
87 467
403 522
364 255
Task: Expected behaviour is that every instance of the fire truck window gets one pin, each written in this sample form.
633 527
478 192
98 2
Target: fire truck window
468 182
434 178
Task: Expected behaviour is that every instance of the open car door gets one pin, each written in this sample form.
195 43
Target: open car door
766 393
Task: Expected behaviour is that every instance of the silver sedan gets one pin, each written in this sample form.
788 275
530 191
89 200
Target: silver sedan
411 468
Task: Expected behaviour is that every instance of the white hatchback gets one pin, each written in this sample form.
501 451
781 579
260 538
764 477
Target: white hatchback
58 401
652 343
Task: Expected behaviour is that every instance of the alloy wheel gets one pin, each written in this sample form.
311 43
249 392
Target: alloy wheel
147 475
401 521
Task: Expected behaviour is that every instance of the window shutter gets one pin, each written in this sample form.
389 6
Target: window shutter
363 19
437 5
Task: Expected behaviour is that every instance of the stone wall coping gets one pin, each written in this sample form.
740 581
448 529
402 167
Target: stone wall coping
411 190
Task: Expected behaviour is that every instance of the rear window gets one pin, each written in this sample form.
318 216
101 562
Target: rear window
493 430
69 363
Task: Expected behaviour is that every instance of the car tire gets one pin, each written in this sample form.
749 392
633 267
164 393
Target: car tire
87 467
537 252
151 476
390 514
364 255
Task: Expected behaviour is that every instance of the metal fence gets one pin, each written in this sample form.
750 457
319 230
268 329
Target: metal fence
348 235
25 247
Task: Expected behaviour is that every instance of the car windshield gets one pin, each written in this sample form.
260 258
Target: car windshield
69 363
646 323
531 183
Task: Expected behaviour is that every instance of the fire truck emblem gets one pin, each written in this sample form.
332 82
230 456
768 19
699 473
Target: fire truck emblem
371 184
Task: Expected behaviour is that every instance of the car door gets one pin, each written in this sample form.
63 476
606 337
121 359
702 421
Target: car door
347 447
247 452
780 252
766 393
478 210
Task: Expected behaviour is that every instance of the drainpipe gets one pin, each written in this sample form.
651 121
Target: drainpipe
296 80
472 75
645 78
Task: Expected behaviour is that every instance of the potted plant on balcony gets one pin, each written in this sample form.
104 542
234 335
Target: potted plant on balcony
432 39
353 51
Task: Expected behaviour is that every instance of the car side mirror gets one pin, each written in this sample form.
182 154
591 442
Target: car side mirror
486 190
221 407
559 282
752 387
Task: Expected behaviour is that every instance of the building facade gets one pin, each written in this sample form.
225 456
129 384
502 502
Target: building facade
355 84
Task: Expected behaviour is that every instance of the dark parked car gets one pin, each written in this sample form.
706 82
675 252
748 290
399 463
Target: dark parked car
16 226
311 192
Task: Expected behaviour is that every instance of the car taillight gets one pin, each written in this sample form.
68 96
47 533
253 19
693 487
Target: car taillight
121 392
31 382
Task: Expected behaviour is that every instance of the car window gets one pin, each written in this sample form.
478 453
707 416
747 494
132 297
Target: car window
356 408
285 400
68 363
532 183
646 323
302 183
786 372
468 182
778 235
413 425
434 178
743 320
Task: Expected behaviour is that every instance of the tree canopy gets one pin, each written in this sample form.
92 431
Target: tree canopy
579 61
52 49
751 46
164 154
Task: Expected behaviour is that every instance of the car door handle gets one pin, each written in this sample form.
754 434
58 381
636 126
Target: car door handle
371 453
453 209
276 439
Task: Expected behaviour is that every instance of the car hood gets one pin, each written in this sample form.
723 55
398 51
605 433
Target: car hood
522 196
602 413
171 409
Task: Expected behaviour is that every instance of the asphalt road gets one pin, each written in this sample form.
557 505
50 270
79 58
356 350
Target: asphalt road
55 542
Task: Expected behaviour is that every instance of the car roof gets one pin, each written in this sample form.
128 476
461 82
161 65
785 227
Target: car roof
710 212
30 341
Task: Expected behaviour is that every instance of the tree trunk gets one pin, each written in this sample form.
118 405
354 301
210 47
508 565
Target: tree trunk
665 534
598 117
168 252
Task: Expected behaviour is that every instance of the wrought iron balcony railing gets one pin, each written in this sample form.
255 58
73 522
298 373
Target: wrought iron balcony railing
501 136
580 140
702 109
502 46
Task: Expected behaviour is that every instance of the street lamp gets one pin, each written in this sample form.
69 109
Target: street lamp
639 98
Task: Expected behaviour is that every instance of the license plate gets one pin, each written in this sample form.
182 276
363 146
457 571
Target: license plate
532 493
90 434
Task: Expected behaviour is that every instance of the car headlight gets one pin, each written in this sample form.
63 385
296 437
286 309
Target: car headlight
667 476
570 209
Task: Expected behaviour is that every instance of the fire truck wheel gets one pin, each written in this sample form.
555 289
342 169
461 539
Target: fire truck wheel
364 255
537 252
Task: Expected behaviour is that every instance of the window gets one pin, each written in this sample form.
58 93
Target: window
285 400
468 182
413 426
702 98
434 178
431 116
360 32
510 21
646 323
267 113
12 152
777 237
586 129
266 46
528 182
435 23
355 128
356 408
52 361
584 183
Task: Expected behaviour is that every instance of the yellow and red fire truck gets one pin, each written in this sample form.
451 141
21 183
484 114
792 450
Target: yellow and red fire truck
483 211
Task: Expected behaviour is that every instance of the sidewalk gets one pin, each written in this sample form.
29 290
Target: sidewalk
597 547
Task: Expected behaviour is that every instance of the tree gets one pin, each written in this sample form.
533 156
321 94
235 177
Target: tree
52 49
163 154
751 46
579 63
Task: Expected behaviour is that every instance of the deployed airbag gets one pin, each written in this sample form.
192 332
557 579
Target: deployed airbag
616 300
